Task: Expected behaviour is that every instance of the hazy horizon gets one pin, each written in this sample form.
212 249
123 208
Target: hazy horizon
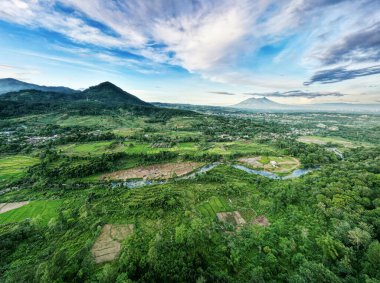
198 52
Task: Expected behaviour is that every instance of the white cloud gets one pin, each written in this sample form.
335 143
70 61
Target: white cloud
209 37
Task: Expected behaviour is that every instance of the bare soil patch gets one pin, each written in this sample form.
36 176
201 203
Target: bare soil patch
233 218
261 221
4 207
252 161
108 245
158 171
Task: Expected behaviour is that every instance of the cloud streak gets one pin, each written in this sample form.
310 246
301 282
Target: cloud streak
341 74
222 92
360 46
297 93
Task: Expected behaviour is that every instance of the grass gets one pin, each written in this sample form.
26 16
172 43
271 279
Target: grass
227 148
223 148
42 211
324 140
285 164
14 167
213 206
91 148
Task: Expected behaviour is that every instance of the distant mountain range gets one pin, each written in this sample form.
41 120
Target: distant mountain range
9 85
109 95
265 104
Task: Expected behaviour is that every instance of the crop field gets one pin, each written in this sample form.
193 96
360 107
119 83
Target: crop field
105 122
324 140
107 246
223 148
214 205
159 171
91 148
42 211
14 167
246 147
8 206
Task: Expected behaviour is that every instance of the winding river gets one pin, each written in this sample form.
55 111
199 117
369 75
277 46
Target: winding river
295 174
143 182
131 184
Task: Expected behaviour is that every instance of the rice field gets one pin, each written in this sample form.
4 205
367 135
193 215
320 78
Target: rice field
14 167
222 148
213 206
42 211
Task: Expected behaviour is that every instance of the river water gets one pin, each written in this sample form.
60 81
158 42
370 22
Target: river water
295 174
142 183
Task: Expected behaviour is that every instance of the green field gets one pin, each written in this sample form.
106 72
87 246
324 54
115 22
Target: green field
334 140
41 211
222 148
14 167
91 148
213 206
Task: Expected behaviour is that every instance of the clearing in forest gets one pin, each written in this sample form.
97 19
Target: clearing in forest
272 163
108 245
233 218
261 220
4 207
213 206
158 171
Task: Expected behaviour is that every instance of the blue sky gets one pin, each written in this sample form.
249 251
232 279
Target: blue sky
215 52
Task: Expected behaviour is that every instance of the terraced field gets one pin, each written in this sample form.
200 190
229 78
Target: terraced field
223 148
14 167
42 211
214 205
91 148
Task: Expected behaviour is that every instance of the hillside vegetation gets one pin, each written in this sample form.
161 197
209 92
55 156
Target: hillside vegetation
211 222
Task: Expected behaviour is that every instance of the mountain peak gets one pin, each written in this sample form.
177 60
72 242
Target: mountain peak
106 84
260 103
110 93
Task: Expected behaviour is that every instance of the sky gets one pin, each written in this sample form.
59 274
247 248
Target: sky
213 52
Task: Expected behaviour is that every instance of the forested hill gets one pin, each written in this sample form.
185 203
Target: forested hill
109 93
102 98
105 92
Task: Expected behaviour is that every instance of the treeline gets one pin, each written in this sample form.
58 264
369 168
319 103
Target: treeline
69 169
310 155
21 140
10 109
